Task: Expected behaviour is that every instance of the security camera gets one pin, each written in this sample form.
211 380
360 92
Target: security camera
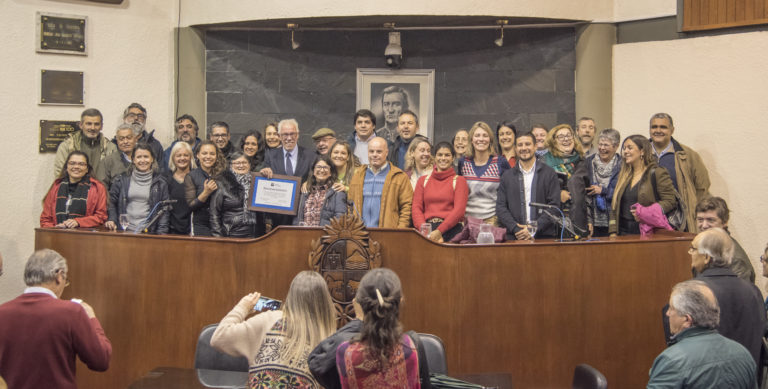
394 52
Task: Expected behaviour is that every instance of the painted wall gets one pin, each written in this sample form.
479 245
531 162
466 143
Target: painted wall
624 10
222 11
715 88
130 58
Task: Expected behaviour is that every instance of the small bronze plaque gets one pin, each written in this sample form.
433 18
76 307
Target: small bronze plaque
61 87
53 132
61 34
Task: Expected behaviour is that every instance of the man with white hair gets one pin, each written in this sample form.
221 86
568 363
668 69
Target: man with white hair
40 334
699 357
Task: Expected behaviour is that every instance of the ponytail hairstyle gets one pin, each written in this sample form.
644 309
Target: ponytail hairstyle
380 294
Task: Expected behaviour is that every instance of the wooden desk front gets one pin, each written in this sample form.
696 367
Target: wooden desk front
531 310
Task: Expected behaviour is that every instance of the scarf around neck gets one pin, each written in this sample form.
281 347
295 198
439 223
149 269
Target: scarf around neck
74 205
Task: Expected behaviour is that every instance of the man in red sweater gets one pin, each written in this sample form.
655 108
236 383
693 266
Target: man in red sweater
41 334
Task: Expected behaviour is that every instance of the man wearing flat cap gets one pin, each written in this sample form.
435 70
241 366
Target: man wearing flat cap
324 138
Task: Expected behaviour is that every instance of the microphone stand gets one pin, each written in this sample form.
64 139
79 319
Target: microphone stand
155 218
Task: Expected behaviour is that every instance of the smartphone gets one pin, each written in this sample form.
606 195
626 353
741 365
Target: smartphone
267 304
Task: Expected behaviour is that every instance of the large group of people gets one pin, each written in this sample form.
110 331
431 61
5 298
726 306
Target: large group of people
528 183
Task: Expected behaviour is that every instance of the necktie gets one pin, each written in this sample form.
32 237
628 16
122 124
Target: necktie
288 164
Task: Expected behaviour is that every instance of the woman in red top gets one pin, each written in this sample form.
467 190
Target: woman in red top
75 199
440 198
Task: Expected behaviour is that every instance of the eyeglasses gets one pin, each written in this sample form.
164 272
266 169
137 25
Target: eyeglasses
322 167
73 164
240 163
564 137
218 135
136 115
66 278
289 134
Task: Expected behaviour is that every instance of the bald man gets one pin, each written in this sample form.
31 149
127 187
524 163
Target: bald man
380 191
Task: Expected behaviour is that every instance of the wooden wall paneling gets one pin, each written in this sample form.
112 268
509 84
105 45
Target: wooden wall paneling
531 310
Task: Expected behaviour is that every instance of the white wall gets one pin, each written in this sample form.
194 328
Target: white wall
221 11
130 59
624 10
716 90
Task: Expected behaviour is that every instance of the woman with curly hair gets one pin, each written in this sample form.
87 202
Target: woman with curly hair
200 184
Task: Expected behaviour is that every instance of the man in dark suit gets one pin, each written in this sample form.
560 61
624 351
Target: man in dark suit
289 160
742 314
528 181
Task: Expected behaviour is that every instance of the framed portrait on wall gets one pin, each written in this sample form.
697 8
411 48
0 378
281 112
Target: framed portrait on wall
388 92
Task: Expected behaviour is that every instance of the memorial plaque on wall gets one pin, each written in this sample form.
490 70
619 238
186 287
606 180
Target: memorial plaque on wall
64 34
53 132
61 87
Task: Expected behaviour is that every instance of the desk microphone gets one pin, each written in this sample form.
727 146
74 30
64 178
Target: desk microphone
169 201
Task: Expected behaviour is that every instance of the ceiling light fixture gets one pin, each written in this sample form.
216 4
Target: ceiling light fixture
501 22
294 44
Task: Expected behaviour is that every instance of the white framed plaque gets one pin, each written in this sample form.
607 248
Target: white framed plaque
280 194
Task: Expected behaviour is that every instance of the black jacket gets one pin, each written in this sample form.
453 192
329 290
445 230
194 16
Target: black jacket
118 200
228 215
742 313
322 360
275 160
510 200
201 219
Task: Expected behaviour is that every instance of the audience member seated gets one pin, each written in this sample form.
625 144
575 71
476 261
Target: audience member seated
713 212
75 199
603 173
506 133
418 160
699 357
136 115
440 198
271 137
482 167
539 185
540 132
322 360
88 139
685 167
407 129
219 134
41 336
186 131
200 184
321 202
567 158
382 356
277 343
253 146
139 194
634 186
180 163
118 162
345 162
324 138
742 313
381 192
230 216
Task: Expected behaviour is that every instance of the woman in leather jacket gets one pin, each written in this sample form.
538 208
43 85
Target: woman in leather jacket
229 212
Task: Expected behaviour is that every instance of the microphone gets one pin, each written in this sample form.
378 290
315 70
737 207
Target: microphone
540 205
169 201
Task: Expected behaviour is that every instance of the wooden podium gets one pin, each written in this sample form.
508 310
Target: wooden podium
533 310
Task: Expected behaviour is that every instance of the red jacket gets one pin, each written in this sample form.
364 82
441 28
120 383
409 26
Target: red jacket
95 206
40 338
439 199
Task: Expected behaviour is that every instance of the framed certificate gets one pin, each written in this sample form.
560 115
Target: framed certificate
278 195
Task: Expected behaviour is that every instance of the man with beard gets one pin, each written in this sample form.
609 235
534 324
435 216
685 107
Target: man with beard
218 133
407 129
586 132
136 115
89 140
186 131
528 181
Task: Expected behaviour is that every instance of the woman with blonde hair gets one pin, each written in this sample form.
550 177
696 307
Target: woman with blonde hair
418 159
180 163
344 159
277 343
482 167
566 156
635 186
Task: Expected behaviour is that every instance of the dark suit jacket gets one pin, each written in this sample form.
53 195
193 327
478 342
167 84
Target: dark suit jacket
742 313
510 201
275 160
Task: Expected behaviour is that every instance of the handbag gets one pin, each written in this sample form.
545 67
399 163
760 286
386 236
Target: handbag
676 216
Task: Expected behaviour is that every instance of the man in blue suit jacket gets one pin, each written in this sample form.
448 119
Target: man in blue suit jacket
289 160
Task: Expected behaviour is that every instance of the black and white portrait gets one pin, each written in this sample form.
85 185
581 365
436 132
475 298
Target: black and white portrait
388 101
